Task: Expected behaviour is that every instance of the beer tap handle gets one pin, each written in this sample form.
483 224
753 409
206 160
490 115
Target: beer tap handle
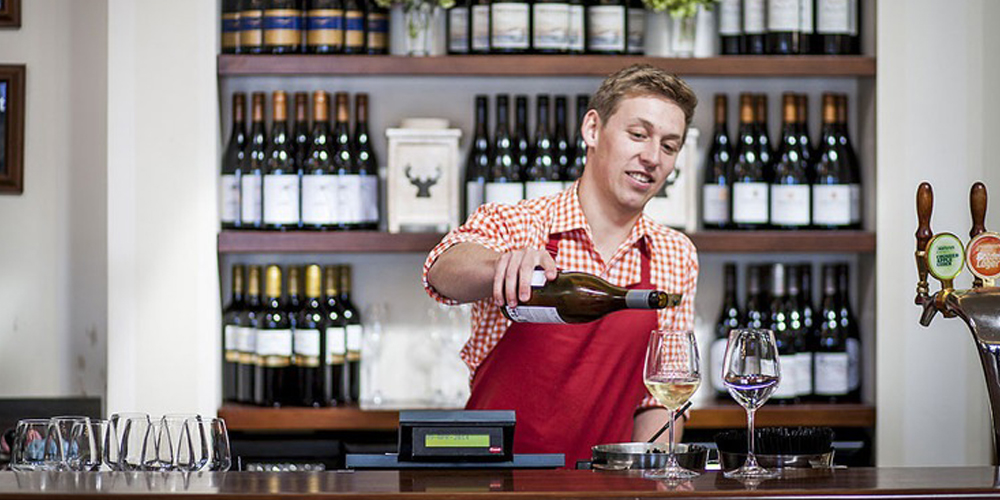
977 203
925 205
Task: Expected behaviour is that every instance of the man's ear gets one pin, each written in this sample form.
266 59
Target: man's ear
591 128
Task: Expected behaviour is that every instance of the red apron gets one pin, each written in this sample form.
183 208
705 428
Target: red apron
572 386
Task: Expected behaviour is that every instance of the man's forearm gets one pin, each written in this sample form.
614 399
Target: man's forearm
464 272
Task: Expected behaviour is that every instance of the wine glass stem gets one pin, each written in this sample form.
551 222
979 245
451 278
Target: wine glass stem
750 437
670 443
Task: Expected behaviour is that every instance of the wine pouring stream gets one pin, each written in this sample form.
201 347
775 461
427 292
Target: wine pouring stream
942 255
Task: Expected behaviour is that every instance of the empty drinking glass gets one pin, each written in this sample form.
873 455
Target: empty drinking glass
220 460
29 451
114 439
87 439
189 437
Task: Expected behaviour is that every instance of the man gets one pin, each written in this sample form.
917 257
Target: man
575 386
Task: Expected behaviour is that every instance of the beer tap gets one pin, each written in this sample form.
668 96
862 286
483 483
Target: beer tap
977 205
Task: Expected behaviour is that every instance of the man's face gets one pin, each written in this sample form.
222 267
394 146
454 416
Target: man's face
635 150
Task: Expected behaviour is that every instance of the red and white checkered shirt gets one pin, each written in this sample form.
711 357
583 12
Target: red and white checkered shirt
528 224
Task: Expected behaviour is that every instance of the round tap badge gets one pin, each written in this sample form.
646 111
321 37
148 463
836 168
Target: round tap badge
945 256
984 256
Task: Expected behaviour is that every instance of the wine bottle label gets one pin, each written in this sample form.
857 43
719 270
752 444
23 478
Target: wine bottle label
510 25
750 202
282 27
805 375
458 29
229 195
504 192
319 199
251 34
473 196
730 23
325 27
551 26
369 198
336 344
230 30
230 342
783 15
790 204
481 27
576 35
349 199
806 23
788 386
306 342
281 199
831 204
250 200
855 203
853 364
836 17
606 28
354 29
354 333
246 339
536 189
753 17
534 314
378 31
717 356
715 204
831 373
274 342
636 31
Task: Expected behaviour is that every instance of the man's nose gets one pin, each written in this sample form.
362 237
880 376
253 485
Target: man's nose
650 154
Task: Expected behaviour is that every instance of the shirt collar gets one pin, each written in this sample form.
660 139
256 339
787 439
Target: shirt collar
567 215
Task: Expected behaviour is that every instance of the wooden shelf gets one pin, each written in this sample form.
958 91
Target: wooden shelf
374 241
542 65
721 416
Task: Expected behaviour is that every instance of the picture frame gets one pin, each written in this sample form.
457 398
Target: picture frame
10 14
12 128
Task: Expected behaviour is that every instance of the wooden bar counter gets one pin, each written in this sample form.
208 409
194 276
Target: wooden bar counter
854 484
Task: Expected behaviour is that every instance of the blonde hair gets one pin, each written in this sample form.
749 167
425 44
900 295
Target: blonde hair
643 79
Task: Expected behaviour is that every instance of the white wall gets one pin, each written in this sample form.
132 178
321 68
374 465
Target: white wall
53 263
937 121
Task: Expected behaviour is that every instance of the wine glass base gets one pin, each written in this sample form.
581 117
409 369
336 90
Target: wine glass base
748 471
671 473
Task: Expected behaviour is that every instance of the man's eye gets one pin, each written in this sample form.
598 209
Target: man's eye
637 135
669 148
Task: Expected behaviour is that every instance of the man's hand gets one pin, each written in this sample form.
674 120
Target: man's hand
512 274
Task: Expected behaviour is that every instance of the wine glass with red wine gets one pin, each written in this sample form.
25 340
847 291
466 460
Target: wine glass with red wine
751 374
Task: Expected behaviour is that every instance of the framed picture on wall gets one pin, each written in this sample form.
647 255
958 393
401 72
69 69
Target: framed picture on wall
10 13
11 128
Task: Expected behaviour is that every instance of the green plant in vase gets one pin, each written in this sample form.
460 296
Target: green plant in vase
417 14
684 14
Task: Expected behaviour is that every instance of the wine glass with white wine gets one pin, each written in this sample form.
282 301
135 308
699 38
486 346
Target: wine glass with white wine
751 374
672 374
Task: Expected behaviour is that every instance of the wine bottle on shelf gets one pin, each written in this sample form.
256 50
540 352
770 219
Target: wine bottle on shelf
788 387
783 25
809 316
749 196
729 318
281 179
252 178
543 172
790 189
798 332
246 338
853 166
348 188
367 167
336 339
522 141
755 312
560 136
837 26
301 129
232 322
715 191
504 184
354 27
230 26
832 362
310 331
376 28
232 166
479 28
831 189
355 332
807 27
458 28
577 37
251 26
579 159
607 26
510 26
274 343
852 333
763 141
636 42
282 26
730 28
294 303
550 26
319 184
754 27
805 143
575 297
325 27
293 306
478 165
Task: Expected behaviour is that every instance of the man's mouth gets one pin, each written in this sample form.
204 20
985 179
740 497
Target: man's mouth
640 177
